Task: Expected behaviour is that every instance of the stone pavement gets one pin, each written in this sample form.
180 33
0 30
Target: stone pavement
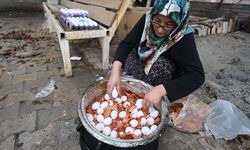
29 58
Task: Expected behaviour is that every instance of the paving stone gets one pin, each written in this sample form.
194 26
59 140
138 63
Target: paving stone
68 136
45 75
24 77
37 68
14 98
35 84
35 104
56 66
173 139
61 95
9 113
65 111
23 123
45 139
80 79
5 79
11 88
8 144
20 71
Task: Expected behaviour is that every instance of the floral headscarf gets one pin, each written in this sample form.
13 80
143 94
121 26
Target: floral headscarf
151 46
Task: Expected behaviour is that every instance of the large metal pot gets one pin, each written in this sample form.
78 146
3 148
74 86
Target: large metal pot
134 85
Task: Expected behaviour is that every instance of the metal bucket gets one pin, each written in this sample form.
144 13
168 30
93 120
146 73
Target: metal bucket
134 85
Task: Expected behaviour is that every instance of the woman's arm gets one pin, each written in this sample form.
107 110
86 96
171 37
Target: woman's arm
130 41
125 47
186 57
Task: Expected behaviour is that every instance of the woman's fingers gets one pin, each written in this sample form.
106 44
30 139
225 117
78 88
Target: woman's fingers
118 85
110 88
146 102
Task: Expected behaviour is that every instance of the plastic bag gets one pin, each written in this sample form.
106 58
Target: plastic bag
226 121
47 90
188 114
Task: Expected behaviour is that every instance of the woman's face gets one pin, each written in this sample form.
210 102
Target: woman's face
163 25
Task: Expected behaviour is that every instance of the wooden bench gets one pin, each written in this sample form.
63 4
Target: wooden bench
108 13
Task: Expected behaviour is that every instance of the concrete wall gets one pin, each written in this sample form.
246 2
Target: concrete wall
21 4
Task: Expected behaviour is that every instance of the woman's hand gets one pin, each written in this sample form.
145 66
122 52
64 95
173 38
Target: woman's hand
114 79
153 97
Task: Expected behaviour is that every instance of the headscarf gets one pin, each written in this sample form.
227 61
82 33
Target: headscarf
151 46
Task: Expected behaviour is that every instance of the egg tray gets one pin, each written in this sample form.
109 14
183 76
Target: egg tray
67 28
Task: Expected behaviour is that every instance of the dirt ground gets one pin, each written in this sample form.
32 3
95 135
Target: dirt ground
30 57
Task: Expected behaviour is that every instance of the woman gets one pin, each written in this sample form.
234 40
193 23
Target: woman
161 51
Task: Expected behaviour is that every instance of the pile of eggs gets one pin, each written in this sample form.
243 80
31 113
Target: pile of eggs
122 115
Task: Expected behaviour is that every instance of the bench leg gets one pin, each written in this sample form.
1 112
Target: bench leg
64 46
105 41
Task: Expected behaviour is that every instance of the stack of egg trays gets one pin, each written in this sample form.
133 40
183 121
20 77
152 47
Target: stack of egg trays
78 19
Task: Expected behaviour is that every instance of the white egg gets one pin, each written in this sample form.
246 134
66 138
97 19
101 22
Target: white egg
121 133
114 93
95 105
100 111
153 128
124 98
143 121
137 132
140 114
106 131
104 104
90 117
134 113
114 114
126 104
111 103
139 101
118 100
129 130
145 130
113 134
100 118
154 113
133 123
150 109
99 127
93 124
107 121
150 121
106 97
122 114
138 105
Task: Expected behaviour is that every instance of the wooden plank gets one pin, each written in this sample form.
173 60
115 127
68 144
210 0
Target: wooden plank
86 34
64 46
99 14
148 3
132 15
118 18
64 43
112 4
53 8
246 2
55 23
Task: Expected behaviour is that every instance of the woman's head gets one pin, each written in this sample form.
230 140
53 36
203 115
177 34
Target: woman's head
162 25
169 16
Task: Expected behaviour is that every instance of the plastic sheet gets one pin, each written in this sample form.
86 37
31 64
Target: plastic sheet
226 121
188 114
47 90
